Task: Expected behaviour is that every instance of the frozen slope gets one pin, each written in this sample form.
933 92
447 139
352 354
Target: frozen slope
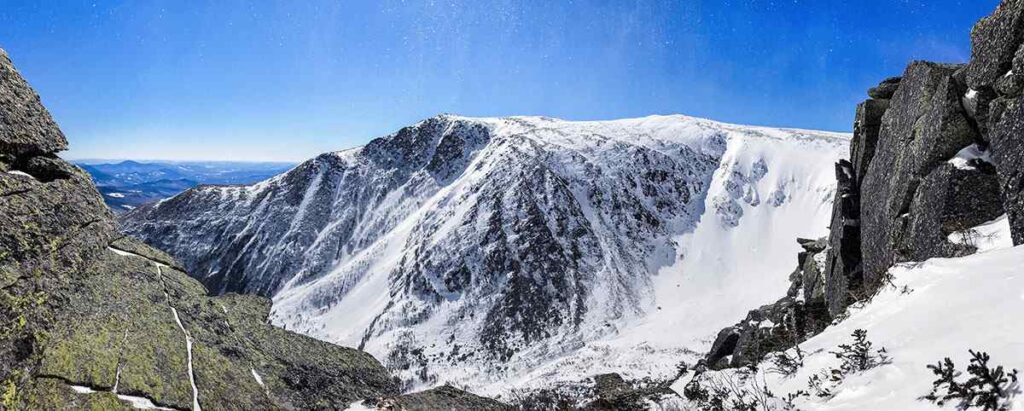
525 249
949 306
765 194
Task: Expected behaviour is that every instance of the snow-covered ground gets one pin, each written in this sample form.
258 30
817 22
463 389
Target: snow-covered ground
934 309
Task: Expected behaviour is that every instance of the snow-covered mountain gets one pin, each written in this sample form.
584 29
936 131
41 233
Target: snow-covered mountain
501 253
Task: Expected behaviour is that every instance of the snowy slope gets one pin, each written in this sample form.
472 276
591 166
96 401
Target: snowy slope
530 250
737 258
949 306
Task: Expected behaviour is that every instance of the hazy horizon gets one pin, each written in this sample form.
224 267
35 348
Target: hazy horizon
166 161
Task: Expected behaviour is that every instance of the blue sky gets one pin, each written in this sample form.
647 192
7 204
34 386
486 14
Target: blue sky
285 80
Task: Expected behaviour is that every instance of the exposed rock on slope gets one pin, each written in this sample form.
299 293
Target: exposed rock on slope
799 315
27 129
934 154
89 319
996 76
440 398
912 198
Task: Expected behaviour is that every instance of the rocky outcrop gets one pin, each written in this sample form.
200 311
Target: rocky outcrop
799 315
885 89
899 197
995 77
614 393
936 151
26 128
444 397
904 193
909 191
90 319
1008 154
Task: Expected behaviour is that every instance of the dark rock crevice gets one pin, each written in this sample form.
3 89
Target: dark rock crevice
15 192
44 168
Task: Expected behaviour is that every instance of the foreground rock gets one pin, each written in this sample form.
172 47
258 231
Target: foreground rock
89 319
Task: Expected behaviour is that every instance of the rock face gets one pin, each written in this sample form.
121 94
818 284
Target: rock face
802 313
910 188
26 128
935 152
996 74
939 157
92 319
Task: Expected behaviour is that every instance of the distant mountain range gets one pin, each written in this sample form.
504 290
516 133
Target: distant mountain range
129 184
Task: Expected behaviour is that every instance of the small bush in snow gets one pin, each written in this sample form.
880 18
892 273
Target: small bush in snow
786 364
856 357
859 356
988 388
545 399
820 385
739 389
746 388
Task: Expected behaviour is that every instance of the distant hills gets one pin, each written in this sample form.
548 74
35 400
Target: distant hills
128 184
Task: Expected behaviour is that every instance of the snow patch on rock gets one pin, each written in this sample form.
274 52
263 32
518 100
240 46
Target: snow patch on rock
967 158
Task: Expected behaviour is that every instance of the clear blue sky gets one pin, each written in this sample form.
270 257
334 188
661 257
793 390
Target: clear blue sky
285 80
